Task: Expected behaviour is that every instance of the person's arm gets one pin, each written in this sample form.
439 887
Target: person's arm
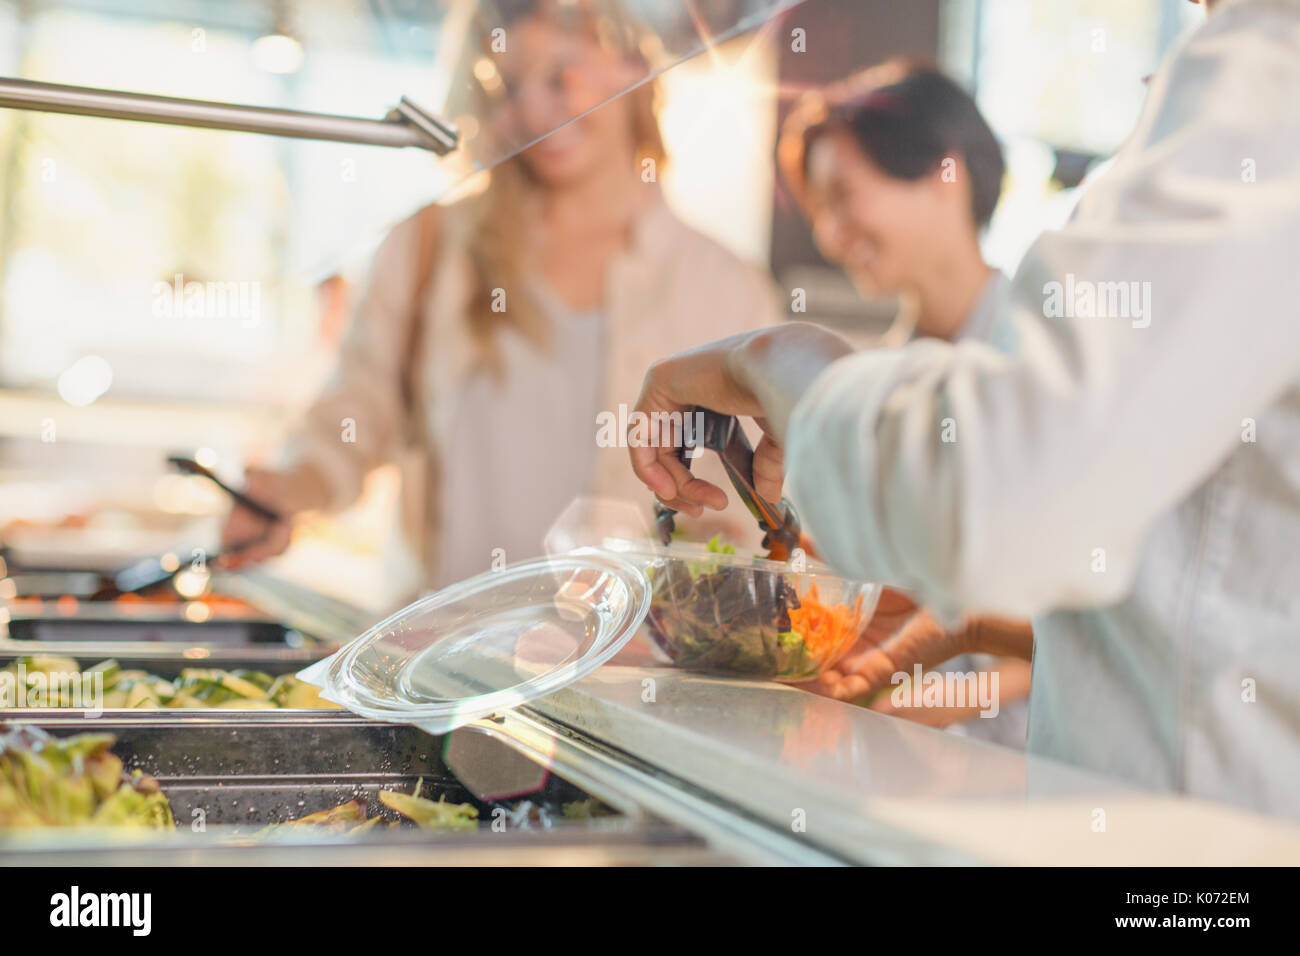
925 642
986 481
756 374
354 425
999 482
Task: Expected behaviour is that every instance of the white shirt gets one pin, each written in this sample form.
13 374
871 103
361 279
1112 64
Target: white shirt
541 409
1132 480
1010 726
444 424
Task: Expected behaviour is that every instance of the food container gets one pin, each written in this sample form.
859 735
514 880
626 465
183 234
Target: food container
101 627
724 613
164 663
161 680
254 772
719 611
228 778
504 638
241 617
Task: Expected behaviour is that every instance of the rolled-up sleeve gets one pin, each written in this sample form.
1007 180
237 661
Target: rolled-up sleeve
993 481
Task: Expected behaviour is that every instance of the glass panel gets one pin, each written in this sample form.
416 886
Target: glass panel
105 223
527 68
101 218
506 73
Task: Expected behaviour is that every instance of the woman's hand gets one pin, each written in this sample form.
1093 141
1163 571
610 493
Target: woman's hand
925 641
1012 684
249 538
761 375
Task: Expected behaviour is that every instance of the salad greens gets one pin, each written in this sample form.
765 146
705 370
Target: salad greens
196 687
48 781
431 814
717 616
710 616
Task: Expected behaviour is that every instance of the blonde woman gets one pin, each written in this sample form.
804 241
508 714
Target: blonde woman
495 330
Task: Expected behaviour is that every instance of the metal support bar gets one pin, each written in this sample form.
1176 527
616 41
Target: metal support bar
406 125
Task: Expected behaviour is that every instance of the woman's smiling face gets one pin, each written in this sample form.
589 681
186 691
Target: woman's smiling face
555 75
882 230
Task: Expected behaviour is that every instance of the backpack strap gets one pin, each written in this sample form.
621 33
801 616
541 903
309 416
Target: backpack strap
426 255
417 462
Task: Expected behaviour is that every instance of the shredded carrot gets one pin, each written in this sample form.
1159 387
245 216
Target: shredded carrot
824 628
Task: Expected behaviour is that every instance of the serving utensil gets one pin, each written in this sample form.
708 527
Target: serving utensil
151 572
723 435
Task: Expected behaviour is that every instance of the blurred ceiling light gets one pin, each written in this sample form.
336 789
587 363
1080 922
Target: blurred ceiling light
191 583
85 380
197 612
169 562
186 494
468 126
485 71
277 53
206 457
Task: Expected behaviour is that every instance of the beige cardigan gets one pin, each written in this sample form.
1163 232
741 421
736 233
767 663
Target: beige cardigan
672 289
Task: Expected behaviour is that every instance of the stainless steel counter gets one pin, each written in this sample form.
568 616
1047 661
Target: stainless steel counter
866 788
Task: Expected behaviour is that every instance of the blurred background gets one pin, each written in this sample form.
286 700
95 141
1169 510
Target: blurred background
103 372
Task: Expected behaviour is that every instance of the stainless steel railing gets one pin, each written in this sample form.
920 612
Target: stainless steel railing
406 125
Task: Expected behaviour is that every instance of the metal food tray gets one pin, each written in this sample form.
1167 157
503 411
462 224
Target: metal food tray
275 659
229 775
50 585
167 664
164 664
287 622
162 630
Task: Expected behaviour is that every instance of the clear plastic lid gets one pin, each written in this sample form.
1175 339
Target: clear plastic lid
489 643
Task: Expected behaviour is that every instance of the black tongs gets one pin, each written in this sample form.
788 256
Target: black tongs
151 572
720 433
191 467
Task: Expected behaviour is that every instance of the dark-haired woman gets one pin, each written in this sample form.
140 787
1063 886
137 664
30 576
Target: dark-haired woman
1128 475
898 174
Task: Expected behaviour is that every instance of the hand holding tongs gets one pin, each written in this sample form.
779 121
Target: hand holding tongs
723 434
192 467
151 572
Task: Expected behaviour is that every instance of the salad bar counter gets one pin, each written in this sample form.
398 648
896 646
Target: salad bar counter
245 788
129 734
619 702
